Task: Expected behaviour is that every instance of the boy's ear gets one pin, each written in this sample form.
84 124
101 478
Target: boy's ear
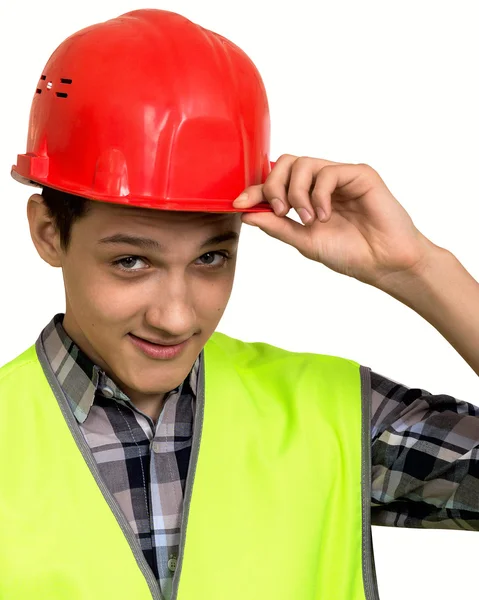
45 236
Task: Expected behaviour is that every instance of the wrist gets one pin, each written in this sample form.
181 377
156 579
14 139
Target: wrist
425 278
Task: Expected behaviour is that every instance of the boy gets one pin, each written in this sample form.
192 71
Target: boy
171 461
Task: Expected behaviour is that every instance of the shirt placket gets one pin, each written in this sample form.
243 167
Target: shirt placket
165 495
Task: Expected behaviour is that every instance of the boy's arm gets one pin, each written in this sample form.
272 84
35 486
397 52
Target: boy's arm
425 456
446 295
425 449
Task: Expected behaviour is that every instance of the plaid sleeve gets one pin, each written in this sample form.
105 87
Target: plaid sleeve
425 458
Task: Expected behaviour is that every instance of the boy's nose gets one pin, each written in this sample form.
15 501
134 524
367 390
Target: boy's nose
172 315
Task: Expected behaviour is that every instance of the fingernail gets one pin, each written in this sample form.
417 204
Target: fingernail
321 214
277 205
241 198
305 215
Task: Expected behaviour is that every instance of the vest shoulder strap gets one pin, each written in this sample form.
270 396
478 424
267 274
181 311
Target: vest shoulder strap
27 357
247 352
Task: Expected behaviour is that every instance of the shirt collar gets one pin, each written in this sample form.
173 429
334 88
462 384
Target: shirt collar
81 379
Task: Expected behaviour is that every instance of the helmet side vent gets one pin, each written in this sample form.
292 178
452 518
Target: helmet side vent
65 81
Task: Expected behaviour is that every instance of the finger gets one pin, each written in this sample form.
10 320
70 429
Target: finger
251 196
350 180
279 178
301 180
281 228
303 176
276 185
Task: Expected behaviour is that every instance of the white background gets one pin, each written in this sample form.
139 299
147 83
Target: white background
390 84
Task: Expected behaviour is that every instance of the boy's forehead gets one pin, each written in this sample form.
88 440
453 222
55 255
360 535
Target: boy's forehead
108 211
113 224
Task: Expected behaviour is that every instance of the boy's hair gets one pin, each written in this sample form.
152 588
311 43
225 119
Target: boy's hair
65 209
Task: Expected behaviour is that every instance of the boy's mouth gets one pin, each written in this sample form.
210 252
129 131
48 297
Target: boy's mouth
159 342
156 350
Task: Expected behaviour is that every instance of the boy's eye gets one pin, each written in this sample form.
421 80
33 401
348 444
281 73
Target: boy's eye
127 263
209 256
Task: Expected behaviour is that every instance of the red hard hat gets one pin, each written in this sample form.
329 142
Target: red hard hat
149 110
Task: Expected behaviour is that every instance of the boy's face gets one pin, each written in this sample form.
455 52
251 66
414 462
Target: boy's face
167 294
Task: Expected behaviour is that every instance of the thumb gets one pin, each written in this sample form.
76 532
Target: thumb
282 228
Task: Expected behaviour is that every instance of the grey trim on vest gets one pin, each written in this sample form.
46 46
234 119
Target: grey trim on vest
90 460
369 570
195 450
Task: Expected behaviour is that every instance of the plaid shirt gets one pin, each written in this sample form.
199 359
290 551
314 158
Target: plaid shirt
424 452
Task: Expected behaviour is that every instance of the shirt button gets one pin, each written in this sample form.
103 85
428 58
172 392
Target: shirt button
156 447
107 391
172 563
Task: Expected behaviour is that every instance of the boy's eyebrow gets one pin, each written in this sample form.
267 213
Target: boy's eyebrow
143 242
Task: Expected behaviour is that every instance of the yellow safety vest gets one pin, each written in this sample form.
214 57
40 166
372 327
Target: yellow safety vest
277 502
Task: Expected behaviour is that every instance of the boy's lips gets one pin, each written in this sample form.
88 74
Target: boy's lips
160 342
155 350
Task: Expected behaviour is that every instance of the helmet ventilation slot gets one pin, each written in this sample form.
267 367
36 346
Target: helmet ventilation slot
49 85
65 81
